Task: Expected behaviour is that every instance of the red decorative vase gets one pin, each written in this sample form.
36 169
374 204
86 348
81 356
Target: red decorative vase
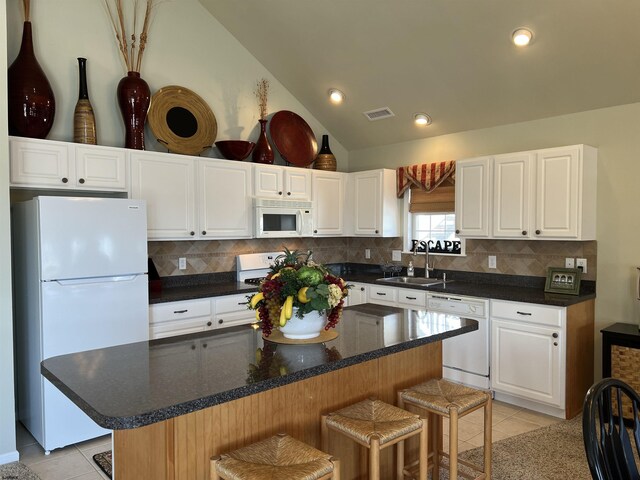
134 97
262 152
31 102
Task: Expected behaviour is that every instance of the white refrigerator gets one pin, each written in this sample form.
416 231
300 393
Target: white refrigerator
80 283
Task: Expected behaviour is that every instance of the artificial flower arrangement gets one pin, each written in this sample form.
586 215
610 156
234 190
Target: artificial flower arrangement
296 281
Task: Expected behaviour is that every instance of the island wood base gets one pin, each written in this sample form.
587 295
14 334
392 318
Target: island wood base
180 448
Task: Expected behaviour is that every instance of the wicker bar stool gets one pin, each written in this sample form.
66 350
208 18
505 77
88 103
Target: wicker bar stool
280 456
377 425
451 400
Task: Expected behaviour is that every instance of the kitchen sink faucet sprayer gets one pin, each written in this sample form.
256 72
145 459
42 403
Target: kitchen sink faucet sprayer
427 268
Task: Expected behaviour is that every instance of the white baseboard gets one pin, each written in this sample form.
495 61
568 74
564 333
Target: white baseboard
9 457
530 404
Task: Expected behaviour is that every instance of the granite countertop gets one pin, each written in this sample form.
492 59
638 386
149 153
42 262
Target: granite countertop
500 287
137 384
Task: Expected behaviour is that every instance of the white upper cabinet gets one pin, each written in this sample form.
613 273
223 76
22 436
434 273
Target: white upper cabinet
225 207
512 195
375 206
178 208
545 194
566 193
272 181
47 164
167 183
473 184
328 190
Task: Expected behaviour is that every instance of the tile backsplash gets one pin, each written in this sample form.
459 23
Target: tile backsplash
515 257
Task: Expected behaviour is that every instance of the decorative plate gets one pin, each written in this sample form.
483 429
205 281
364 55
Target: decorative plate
182 121
293 138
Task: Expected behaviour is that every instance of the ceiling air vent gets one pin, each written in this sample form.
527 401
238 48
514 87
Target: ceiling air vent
379 114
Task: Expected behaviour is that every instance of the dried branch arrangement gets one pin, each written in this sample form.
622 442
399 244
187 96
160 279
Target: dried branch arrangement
26 7
131 52
262 92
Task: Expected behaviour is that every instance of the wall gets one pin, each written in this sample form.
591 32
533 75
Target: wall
513 257
614 131
186 47
8 452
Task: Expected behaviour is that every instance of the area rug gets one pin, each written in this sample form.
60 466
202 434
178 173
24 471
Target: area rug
17 471
104 462
555 452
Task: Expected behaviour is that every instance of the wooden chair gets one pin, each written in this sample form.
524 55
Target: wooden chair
280 456
377 425
609 419
453 401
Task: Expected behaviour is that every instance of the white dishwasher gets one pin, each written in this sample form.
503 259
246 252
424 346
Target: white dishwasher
465 358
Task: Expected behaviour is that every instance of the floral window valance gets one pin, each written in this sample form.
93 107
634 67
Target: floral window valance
425 176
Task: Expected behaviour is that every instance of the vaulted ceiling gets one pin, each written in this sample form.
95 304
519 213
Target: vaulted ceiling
452 59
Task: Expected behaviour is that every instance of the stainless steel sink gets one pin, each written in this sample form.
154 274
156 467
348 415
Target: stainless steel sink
412 280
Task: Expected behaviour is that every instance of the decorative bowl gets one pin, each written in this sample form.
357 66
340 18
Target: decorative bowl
235 149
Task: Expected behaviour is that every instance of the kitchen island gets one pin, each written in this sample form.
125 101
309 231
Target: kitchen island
174 403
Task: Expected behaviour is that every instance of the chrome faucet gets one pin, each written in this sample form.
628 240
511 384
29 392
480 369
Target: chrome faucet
427 268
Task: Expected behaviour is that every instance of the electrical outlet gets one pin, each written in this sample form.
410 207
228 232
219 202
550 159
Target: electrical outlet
569 263
182 263
581 263
396 255
492 261
367 253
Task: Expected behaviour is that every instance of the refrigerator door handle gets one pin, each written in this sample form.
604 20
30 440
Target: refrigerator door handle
84 281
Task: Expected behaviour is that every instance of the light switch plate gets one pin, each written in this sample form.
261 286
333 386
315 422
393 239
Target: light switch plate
569 262
492 261
396 255
182 263
367 253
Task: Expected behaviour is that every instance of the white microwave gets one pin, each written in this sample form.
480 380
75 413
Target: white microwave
282 218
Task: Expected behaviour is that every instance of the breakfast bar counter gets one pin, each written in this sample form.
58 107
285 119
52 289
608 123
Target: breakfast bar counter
174 403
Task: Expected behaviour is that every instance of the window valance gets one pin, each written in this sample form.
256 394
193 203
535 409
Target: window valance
425 176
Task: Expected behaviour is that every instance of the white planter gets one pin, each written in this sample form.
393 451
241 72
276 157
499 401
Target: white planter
303 328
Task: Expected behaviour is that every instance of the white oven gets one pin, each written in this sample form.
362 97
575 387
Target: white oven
282 218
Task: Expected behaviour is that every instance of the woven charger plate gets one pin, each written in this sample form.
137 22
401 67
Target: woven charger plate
182 121
325 335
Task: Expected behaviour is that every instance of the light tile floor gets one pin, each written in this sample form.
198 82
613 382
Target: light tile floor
76 462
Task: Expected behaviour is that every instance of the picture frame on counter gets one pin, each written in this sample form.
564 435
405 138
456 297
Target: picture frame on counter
563 280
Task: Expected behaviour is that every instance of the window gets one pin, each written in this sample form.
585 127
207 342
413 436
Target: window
439 229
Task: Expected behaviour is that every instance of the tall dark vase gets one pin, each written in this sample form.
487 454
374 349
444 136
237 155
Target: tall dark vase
325 159
32 105
84 121
134 97
262 152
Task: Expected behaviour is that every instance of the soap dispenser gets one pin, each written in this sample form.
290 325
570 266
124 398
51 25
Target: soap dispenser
410 269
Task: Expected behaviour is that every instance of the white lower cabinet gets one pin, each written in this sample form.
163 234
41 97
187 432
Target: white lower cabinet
357 293
179 318
528 351
231 310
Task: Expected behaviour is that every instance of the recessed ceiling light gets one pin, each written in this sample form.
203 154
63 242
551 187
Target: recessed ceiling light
522 37
336 96
422 119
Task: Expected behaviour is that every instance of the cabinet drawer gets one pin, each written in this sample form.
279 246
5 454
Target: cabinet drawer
384 295
232 303
415 298
231 319
166 312
528 312
179 327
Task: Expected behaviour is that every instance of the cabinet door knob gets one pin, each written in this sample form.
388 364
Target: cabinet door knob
555 344
315 231
524 232
81 181
193 347
289 193
555 335
457 231
204 232
220 321
537 232
376 231
208 324
65 180
192 233
279 193
362 289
